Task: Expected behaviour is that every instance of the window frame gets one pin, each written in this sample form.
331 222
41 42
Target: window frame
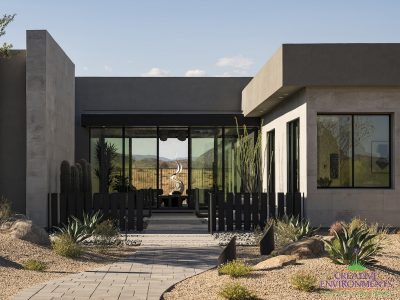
352 115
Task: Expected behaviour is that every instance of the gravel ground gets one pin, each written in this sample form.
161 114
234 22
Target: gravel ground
275 284
242 238
14 252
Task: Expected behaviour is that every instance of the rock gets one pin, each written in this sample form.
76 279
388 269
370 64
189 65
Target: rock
276 262
27 231
307 248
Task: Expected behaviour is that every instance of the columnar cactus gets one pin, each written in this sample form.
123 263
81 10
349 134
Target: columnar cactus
75 179
80 173
86 176
65 177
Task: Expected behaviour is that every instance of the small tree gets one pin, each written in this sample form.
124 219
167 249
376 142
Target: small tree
4 21
105 154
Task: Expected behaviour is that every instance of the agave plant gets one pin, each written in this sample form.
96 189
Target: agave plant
79 230
356 245
295 228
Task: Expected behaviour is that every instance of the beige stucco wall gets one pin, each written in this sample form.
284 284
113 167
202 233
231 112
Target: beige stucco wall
292 109
323 206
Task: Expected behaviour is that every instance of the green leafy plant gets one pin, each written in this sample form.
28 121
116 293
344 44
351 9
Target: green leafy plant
5 209
235 268
4 21
304 281
354 244
81 230
106 232
236 291
64 245
35 265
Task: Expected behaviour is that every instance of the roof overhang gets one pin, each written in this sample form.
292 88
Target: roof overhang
295 66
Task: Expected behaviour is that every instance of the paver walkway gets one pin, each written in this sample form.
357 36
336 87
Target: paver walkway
164 258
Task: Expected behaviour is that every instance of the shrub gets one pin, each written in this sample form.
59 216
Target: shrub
64 245
5 209
81 230
235 269
304 281
35 265
291 229
106 232
336 227
354 244
235 291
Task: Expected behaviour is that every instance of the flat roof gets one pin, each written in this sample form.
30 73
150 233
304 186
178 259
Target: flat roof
295 66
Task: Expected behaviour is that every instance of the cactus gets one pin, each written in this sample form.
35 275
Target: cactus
86 176
80 172
74 179
89 178
65 177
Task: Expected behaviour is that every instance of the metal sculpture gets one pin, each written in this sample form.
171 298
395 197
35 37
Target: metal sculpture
179 186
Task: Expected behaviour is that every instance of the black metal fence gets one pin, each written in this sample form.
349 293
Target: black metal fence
127 209
245 211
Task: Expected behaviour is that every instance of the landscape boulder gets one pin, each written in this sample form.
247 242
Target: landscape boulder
24 229
307 248
276 262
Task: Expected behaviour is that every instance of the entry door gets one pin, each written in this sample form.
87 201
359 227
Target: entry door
293 136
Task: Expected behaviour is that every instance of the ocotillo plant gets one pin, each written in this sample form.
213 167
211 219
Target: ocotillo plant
65 177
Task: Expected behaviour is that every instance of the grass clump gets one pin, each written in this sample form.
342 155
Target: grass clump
303 281
5 209
35 265
106 233
235 268
235 291
64 245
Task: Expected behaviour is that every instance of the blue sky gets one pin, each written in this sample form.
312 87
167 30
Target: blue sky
195 38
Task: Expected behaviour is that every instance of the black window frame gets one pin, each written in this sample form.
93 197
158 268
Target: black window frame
352 115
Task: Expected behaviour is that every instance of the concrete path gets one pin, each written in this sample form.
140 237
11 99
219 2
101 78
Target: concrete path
165 257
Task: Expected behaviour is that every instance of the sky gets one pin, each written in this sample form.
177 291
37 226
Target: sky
195 38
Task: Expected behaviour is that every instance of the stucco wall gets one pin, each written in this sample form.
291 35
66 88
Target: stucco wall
292 109
13 129
376 205
50 91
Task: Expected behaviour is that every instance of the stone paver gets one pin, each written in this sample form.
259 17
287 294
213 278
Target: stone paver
174 247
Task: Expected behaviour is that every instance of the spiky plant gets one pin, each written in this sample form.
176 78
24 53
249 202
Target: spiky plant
79 230
353 245
105 154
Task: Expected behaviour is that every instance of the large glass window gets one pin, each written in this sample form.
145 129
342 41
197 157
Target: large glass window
354 151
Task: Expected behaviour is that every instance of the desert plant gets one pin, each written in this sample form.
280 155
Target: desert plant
4 21
5 209
81 230
106 232
336 227
235 268
34 265
64 245
291 229
236 291
105 154
65 177
353 245
249 158
304 281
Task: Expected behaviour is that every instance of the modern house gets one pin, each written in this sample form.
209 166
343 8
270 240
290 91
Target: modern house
329 115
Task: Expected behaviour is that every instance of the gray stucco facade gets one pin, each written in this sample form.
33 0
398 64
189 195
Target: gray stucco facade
50 111
13 129
42 106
